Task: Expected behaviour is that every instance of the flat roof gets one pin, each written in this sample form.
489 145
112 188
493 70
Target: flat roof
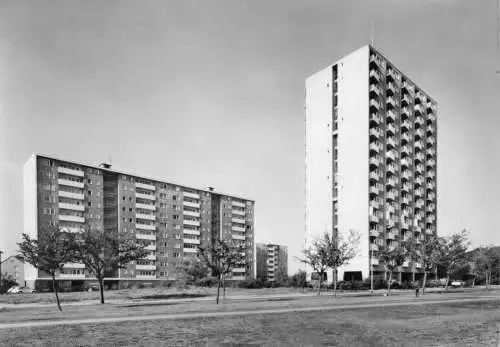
138 176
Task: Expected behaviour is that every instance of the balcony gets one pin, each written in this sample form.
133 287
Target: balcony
391 87
419 120
191 204
68 218
72 230
239 270
391 235
391 168
237 203
145 186
405 110
146 267
238 212
374 146
374 103
191 195
431 163
375 203
373 247
150 247
237 220
190 250
238 237
374 175
191 213
406 137
150 257
373 218
391 195
74 207
374 190
390 142
192 241
72 172
191 232
374 132
405 162
406 149
191 222
145 206
419 145
429 231
406 263
390 155
405 200
77 196
69 183
431 174
145 216
419 108
374 233
430 129
431 140
392 182
391 128
391 115
374 74
145 226
406 125
406 174
375 161
419 203
431 117
419 133
375 89
145 237
74 266
150 197
375 261
391 101
235 228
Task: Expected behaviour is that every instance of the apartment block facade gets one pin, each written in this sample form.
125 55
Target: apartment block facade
271 262
371 158
171 219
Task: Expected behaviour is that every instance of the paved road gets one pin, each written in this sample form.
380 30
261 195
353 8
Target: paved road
241 312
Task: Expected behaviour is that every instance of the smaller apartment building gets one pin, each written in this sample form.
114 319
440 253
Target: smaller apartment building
13 267
173 220
272 262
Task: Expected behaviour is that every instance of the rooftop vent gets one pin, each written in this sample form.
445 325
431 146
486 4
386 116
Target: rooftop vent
211 189
105 165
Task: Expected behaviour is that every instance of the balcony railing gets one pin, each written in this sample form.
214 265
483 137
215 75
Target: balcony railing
375 117
391 168
191 232
374 175
191 222
144 226
374 232
391 235
74 207
145 186
150 247
146 267
391 128
145 216
72 172
391 101
77 196
238 212
69 183
72 276
375 261
145 196
374 103
375 161
375 146
237 203
406 137
390 142
374 74
374 88
391 114
69 218
191 195
191 213
235 228
150 207
391 155
238 237
74 266
192 241
373 246
191 204
375 132
145 237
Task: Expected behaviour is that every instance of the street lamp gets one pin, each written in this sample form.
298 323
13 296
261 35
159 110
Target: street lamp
1 287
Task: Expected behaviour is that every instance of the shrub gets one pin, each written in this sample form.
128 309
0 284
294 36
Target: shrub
206 282
254 284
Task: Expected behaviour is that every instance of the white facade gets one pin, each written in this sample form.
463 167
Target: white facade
352 137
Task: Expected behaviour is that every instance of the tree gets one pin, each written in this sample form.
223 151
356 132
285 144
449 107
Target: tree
316 256
49 253
392 257
487 259
428 254
299 279
194 270
339 251
221 258
453 253
103 252
8 281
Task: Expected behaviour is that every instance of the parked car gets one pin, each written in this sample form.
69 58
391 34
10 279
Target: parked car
457 284
20 290
11 289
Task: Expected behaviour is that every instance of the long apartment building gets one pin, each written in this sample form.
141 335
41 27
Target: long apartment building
271 262
371 157
171 219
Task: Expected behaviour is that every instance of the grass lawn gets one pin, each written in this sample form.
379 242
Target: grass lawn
453 324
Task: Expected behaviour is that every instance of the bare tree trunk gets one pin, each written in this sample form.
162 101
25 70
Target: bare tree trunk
54 285
389 284
224 285
218 289
319 286
413 274
447 280
474 281
101 288
335 282
424 281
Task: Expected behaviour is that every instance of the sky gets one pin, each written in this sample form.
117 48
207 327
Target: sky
211 93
